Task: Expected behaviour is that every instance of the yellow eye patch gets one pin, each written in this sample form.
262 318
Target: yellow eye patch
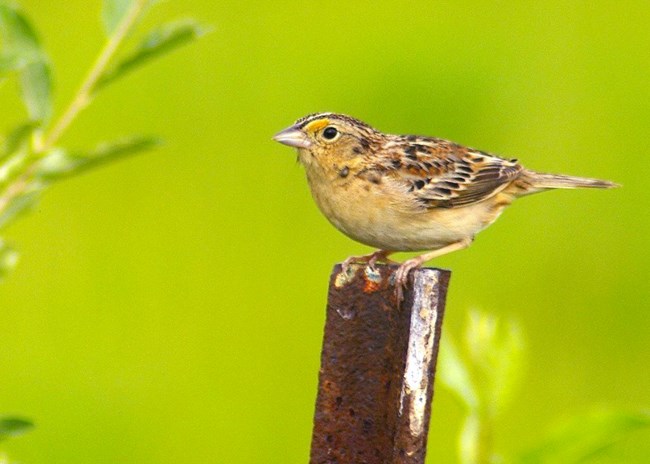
317 124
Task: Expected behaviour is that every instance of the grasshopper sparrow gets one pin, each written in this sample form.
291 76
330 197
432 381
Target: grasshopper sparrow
406 192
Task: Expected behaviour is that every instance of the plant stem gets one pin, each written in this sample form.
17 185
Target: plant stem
12 192
85 93
484 440
42 144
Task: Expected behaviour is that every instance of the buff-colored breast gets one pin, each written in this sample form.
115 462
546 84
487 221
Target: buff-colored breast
385 216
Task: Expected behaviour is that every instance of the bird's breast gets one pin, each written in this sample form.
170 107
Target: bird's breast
372 211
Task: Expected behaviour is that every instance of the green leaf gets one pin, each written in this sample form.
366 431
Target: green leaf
36 86
20 204
13 62
113 13
21 47
454 375
14 153
582 438
469 441
17 33
496 350
60 164
12 168
157 43
17 139
8 260
14 426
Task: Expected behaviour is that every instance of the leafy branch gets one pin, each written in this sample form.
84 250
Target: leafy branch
30 158
86 90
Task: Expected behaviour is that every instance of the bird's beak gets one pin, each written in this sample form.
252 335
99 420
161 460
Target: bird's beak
293 137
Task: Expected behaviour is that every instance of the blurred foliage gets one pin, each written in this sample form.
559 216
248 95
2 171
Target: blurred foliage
173 304
31 158
485 376
586 438
13 427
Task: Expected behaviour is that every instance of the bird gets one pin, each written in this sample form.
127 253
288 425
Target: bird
401 193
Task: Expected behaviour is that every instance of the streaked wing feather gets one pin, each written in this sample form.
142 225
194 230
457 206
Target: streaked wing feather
443 174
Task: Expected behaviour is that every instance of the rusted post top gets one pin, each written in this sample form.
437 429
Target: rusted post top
377 367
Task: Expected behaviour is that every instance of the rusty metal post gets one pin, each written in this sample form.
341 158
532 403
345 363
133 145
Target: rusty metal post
377 367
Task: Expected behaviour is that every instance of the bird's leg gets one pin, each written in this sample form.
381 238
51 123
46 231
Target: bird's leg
402 273
371 259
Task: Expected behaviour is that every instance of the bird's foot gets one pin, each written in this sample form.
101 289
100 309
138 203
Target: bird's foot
370 260
402 275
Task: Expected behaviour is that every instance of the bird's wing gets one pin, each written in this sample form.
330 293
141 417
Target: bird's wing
443 174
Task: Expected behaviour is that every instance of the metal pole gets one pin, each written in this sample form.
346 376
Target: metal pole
377 367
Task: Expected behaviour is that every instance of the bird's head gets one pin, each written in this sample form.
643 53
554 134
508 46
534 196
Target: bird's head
324 137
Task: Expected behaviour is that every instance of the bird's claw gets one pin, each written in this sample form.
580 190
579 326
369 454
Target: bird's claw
402 276
370 260
345 265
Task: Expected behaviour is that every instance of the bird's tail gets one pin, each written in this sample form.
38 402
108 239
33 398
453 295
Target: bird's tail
540 181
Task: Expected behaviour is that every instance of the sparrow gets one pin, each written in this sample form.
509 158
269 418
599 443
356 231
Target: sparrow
409 192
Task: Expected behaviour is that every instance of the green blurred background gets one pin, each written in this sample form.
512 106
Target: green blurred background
169 308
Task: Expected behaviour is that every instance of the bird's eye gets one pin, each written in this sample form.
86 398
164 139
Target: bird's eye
330 133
